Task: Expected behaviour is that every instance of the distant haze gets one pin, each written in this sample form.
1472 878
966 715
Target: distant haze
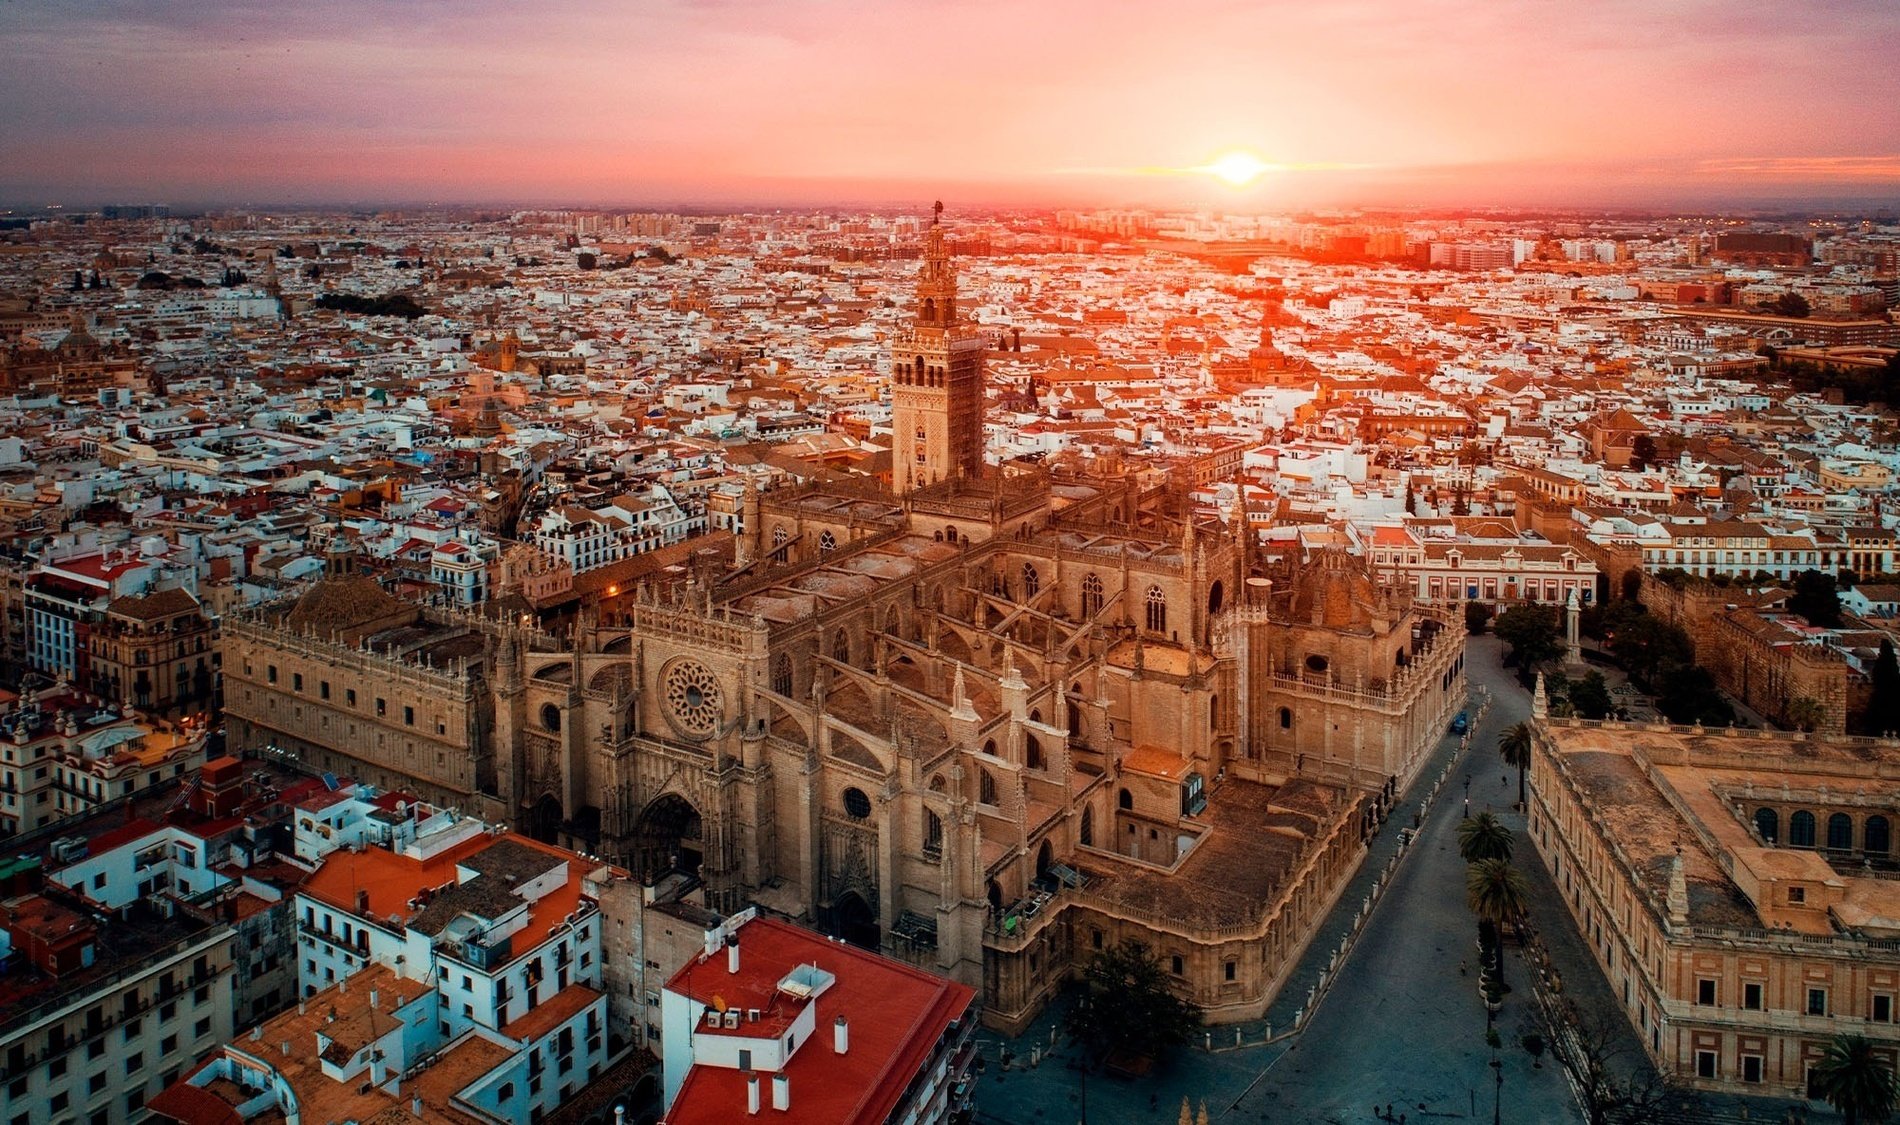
1430 102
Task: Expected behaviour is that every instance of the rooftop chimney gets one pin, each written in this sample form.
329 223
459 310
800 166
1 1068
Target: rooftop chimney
781 1092
841 1035
732 954
751 1094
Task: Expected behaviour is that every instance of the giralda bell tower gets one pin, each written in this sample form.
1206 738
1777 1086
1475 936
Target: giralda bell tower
936 381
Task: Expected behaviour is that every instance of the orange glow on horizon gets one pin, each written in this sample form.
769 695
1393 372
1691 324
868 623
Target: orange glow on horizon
833 102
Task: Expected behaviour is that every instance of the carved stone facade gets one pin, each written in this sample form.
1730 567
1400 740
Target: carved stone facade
986 725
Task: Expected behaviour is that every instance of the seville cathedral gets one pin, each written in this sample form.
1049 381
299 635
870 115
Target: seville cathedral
988 719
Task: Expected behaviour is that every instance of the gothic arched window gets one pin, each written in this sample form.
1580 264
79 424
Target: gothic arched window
1032 581
933 834
985 787
782 673
779 536
841 647
1091 595
1157 610
827 543
1088 827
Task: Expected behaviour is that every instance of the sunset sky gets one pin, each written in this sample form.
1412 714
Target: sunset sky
1618 102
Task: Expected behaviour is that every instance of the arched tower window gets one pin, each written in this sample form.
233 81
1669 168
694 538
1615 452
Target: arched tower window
930 309
1157 610
1091 595
1032 581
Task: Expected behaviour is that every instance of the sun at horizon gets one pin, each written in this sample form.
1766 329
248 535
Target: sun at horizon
1237 168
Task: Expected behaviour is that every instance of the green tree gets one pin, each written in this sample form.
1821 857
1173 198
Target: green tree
1477 616
1483 837
1789 304
1533 630
1514 746
1497 894
1642 452
1855 1080
1883 705
1590 696
1686 693
1126 1005
1647 646
1816 599
1805 713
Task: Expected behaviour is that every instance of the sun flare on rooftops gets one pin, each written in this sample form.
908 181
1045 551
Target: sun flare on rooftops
1237 169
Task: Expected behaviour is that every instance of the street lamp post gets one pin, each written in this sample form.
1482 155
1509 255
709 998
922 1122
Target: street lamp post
1497 1089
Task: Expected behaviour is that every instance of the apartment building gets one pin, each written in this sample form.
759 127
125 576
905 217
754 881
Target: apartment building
769 1018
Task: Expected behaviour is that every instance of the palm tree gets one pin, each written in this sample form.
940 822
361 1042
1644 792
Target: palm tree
1483 837
1805 713
1496 893
1514 746
1856 1081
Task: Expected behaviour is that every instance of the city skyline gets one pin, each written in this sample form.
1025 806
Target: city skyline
1366 103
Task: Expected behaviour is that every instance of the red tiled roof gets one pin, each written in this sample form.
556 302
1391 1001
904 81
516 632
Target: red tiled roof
896 1015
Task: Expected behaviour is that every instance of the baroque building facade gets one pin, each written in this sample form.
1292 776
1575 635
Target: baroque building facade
989 721
1734 887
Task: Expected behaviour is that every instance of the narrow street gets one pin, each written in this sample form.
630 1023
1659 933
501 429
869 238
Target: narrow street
1402 1026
